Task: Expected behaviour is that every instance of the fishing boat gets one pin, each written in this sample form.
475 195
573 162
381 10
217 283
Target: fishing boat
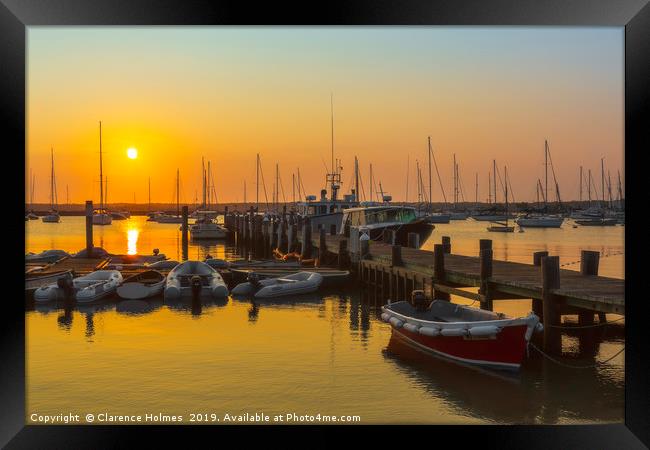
53 215
375 219
142 285
89 288
327 212
503 227
101 216
461 333
294 284
194 279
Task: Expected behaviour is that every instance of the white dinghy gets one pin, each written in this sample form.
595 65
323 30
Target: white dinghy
192 279
89 288
294 284
142 285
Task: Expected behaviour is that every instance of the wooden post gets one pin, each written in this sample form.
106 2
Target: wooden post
322 246
343 254
484 243
364 245
446 244
184 228
414 240
346 230
89 228
396 255
485 256
589 261
538 309
550 281
387 236
439 271
306 239
333 229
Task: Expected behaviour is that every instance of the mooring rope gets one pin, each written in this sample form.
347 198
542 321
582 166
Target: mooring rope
603 256
571 366
578 327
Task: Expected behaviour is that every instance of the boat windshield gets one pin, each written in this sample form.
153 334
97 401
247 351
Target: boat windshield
402 215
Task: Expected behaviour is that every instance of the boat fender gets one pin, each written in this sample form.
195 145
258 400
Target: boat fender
411 327
429 331
396 322
385 317
486 330
453 332
220 291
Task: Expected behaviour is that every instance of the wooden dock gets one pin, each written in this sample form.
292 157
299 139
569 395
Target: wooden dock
394 271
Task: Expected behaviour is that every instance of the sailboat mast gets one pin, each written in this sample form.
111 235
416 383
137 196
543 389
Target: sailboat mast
149 207
52 180
257 182
489 188
371 182
356 179
505 175
589 187
419 182
101 185
602 178
494 179
277 187
580 183
430 187
406 197
178 191
203 181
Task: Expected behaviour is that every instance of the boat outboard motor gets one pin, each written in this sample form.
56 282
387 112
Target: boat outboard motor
66 285
196 285
419 300
254 280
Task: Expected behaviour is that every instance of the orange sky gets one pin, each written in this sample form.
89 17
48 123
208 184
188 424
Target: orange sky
177 94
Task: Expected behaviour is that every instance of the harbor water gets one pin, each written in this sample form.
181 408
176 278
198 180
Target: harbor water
327 353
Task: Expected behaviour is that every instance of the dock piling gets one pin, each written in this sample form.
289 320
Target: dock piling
414 240
396 255
184 228
537 303
439 271
486 256
89 227
446 244
550 266
589 261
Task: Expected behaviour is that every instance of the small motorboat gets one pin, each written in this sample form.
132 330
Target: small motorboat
297 283
89 288
32 216
163 265
193 279
500 228
35 280
47 256
330 276
142 285
465 334
601 222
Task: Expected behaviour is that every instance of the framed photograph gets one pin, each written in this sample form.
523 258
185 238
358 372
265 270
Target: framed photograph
246 218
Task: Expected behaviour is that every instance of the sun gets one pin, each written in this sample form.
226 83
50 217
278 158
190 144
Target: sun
132 153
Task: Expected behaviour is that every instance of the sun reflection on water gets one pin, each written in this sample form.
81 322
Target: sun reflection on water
132 241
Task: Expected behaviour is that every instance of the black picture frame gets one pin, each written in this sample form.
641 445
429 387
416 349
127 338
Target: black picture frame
634 15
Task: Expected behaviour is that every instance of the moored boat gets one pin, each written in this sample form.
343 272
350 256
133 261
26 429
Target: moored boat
142 285
92 287
194 279
46 256
539 221
600 222
330 276
294 284
462 333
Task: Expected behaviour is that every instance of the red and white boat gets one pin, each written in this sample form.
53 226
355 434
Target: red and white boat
468 335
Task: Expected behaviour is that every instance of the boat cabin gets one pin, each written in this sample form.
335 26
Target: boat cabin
379 215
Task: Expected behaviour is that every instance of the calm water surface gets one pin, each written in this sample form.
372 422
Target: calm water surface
326 353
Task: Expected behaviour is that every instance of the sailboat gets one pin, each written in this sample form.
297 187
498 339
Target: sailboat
53 215
168 218
543 220
503 227
101 216
205 227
